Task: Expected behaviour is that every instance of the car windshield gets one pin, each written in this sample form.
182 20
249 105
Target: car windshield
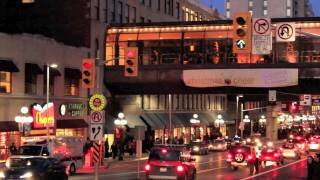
288 146
218 141
25 162
30 150
167 155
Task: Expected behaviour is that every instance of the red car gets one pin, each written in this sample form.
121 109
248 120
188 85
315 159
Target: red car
170 162
271 154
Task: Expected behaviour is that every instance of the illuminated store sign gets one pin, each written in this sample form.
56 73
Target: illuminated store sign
43 116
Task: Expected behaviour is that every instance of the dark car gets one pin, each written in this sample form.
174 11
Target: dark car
170 162
217 145
33 168
242 156
198 147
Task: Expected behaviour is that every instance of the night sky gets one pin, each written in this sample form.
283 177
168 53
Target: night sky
220 5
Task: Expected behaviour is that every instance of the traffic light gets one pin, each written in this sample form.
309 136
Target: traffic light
131 62
88 73
294 107
242 32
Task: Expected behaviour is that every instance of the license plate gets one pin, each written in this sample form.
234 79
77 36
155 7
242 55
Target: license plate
163 169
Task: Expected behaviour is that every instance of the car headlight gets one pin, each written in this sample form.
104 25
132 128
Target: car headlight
196 148
26 175
2 175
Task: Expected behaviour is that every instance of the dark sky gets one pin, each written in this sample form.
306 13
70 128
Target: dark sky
220 5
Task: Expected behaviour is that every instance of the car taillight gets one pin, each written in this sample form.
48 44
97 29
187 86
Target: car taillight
239 150
249 157
281 149
180 168
276 155
147 167
229 156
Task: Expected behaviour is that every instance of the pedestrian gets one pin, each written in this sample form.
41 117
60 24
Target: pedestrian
114 150
120 149
106 149
13 149
181 140
86 147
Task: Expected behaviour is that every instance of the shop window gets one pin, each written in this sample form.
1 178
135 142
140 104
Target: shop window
30 83
71 87
5 82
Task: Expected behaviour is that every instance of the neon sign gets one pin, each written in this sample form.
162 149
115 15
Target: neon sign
43 116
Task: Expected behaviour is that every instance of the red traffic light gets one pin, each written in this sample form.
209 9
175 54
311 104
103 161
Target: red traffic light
87 65
130 54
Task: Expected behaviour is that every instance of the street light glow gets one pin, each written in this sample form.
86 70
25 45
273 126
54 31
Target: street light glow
120 115
53 65
195 116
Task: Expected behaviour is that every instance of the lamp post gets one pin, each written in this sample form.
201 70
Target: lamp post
262 122
237 112
47 95
23 119
247 120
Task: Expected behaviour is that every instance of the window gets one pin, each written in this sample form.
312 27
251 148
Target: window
113 13
142 19
142 1
30 82
71 86
120 10
265 12
159 5
5 82
106 12
150 3
178 10
127 13
228 5
134 11
228 14
288 12
250 3
265 3
98 10
289 3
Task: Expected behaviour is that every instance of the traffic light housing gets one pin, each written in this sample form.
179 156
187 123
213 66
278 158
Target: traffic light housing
242 32
88 73
131 62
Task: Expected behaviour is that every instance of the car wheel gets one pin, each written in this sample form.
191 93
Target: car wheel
72 169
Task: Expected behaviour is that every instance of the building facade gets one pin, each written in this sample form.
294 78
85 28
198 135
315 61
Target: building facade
270 8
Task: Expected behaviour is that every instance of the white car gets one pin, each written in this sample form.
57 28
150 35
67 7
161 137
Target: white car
290 150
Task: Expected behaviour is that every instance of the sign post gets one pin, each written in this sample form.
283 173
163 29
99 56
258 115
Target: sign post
262 37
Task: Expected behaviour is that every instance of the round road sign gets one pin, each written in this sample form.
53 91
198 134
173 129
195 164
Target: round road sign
97 102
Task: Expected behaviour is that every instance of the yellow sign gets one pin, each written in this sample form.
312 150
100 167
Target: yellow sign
97 102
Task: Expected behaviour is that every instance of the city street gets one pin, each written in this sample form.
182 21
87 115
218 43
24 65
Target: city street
208 167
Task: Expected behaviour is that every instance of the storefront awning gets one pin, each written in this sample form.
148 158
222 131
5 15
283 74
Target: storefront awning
33 68
8 66
72 73
7 126
71 123
161 120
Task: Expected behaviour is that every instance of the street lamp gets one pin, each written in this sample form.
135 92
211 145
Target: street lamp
23 118
121 121
237 112
247 120
47 95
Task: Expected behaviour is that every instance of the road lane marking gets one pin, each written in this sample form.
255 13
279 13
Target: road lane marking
208 170
271 170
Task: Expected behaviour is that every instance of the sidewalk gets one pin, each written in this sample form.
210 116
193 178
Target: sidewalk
107 162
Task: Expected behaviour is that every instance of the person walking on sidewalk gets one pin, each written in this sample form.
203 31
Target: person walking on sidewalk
114 150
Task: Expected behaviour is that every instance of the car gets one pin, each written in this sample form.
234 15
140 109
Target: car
314 143
290 150
218 145
198 147
301 143
241 156
271 154
33 167
170 162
